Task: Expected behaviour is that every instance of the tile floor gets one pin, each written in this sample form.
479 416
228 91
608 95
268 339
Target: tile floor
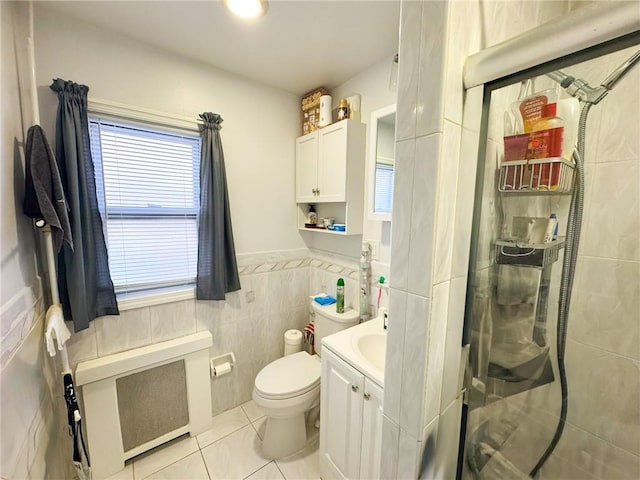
231 449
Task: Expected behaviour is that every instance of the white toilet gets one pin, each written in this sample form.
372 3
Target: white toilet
290 386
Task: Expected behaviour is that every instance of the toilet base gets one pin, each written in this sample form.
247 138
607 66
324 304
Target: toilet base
284 436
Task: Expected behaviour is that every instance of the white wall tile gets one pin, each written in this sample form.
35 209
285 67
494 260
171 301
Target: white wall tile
579 450
464 202
613 230
390 443
402 205
596 380
430 101
408 68
117 333
435 355
408 451
446 460
414 363
446 202
172 320
606 313
82 345
618 137
453 345
427 451
208 313
423 209
394 354
22 392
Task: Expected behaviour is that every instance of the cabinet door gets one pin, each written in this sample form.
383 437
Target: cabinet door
371 431
340 418
332 163
307 168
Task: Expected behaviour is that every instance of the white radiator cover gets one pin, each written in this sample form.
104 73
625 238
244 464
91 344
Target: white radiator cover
112 387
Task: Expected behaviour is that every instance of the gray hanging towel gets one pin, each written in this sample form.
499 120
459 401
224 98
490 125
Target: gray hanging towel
44 195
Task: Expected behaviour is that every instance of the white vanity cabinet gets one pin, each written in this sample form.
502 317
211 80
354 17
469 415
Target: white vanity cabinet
350 421
330 171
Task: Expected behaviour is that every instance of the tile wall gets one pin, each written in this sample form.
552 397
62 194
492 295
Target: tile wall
251 322
32 416
435 175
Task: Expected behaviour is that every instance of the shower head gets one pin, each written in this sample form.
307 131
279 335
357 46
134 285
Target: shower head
579 88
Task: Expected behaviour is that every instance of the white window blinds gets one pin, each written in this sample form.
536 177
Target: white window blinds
147 182
383 201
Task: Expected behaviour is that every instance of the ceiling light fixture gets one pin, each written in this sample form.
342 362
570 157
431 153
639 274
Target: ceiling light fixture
247 8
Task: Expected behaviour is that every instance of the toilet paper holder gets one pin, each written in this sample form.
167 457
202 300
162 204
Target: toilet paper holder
222 364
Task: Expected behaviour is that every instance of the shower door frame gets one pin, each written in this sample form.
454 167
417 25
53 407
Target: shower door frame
580 36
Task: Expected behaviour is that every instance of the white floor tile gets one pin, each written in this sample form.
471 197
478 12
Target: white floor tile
222 425
304 465
163 456
189 468
125 474
236 456
260 425
268 472
252 410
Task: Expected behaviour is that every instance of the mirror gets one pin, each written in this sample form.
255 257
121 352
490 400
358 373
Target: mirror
382 142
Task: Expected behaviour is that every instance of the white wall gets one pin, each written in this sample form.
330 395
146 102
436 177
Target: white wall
260 123
373 86
30 430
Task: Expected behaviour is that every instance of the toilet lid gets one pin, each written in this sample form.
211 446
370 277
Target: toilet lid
289 376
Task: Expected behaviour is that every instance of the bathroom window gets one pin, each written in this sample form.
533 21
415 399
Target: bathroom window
147 182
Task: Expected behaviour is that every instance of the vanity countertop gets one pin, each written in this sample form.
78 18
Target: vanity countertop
362 346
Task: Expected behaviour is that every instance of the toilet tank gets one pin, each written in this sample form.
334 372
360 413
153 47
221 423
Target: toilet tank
328 321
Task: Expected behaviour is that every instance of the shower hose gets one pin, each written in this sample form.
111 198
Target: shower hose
572 242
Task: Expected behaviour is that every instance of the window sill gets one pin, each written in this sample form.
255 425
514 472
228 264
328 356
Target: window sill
130 301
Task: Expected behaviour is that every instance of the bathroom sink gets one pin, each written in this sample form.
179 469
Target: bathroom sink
372 346
363 346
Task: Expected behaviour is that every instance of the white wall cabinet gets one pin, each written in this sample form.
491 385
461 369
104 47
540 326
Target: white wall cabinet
351 421
330 171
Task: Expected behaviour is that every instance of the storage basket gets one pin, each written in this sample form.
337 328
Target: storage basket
538 255
311 109
540 175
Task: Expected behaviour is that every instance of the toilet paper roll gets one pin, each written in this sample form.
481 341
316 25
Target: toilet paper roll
325 111
292 341
222 369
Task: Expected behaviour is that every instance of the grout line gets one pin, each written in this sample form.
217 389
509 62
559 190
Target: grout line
205 463
223 437
278 467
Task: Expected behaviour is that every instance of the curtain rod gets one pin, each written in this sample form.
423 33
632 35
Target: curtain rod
581 29
122 110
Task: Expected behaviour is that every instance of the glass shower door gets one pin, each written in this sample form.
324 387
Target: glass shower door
514 392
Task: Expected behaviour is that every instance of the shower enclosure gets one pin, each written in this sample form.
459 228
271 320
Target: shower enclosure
553 383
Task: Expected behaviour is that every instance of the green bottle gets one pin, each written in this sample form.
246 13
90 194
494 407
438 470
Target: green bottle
340 296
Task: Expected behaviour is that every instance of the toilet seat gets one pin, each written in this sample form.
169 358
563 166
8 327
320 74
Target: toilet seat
288 377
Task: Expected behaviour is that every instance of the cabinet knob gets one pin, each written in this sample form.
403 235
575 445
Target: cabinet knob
317 191
354 388
367 396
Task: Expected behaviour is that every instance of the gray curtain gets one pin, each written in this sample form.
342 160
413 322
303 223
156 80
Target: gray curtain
217 268
86 289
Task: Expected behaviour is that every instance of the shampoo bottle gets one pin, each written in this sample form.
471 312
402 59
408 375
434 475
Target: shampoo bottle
340 296
546 142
